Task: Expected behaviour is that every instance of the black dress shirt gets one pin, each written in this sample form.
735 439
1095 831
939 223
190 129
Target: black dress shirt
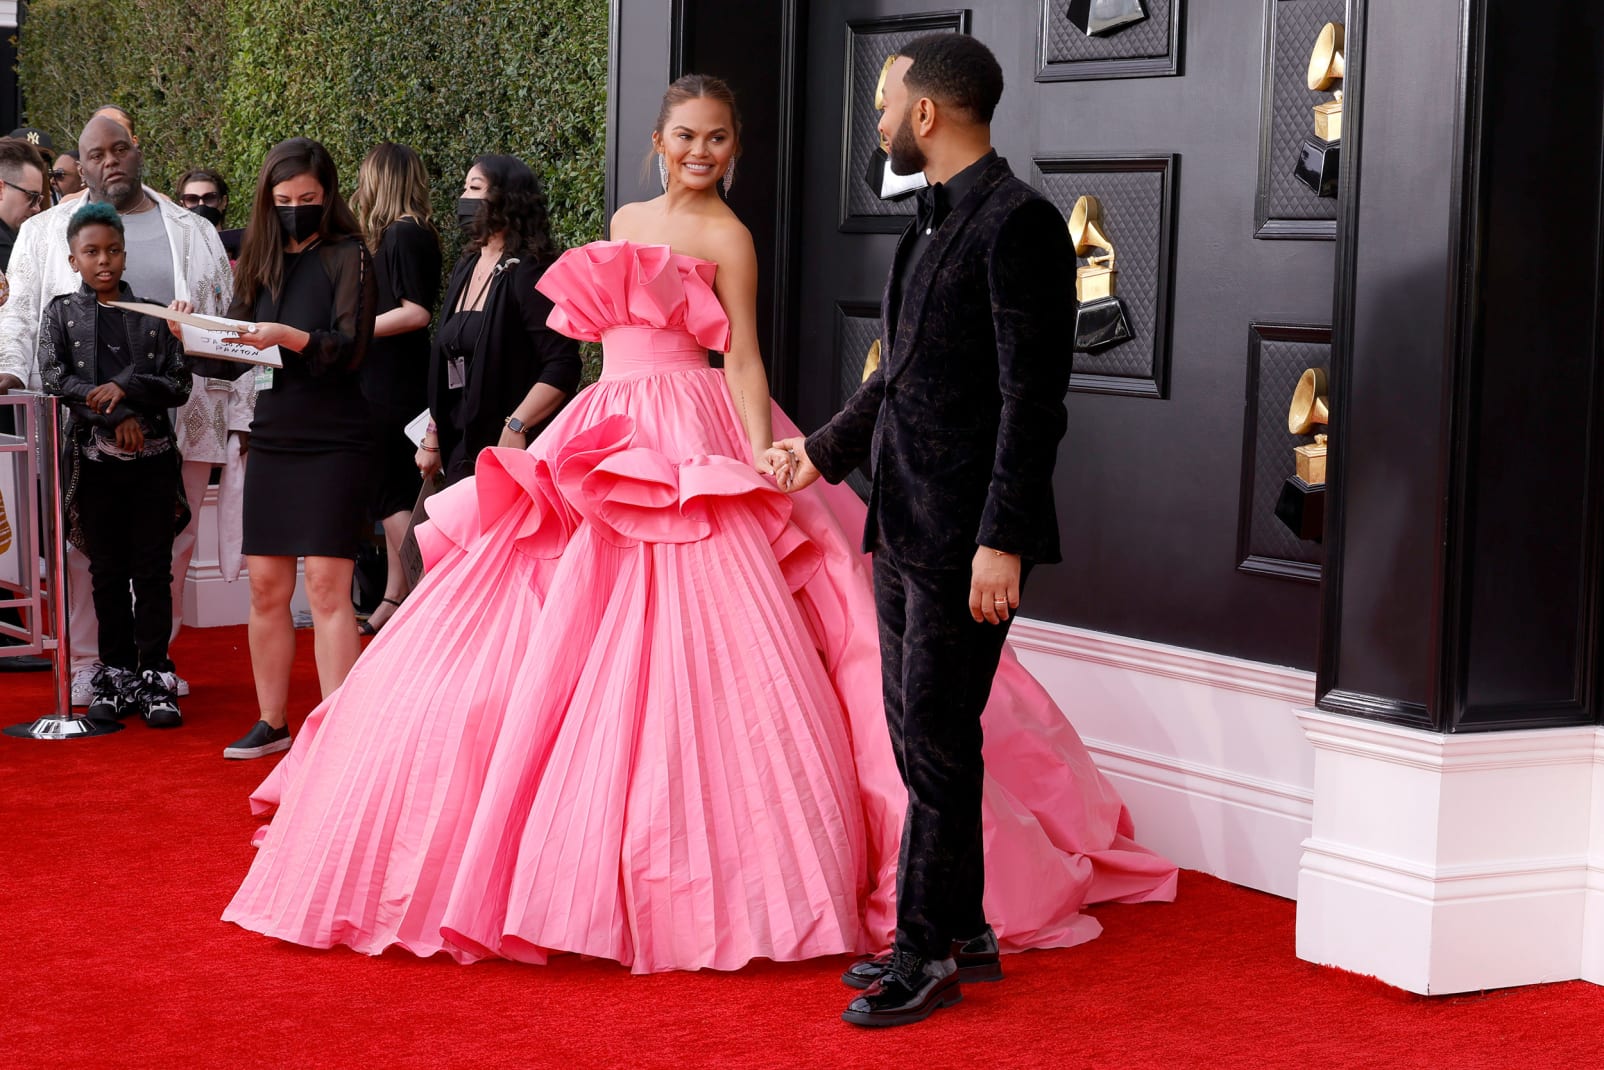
932 206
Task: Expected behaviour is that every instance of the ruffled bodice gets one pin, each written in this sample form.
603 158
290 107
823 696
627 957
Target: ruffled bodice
652 309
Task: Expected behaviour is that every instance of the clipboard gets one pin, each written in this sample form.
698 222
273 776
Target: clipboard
207 336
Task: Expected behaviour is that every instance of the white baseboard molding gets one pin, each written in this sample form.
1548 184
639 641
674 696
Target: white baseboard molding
1454 863
1205 750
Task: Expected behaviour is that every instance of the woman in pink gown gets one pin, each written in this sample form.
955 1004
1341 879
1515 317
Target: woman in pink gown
633 710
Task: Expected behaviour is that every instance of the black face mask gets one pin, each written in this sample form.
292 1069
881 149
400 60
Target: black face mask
299 221
468 211
208 213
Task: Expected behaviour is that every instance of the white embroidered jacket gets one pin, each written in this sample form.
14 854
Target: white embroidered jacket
39 272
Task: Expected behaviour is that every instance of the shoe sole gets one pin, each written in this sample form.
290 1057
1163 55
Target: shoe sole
177 721
908 1017
967 975
256 752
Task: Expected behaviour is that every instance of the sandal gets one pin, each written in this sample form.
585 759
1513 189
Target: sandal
366 628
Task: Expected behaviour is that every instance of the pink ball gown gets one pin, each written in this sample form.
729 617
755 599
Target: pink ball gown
633 710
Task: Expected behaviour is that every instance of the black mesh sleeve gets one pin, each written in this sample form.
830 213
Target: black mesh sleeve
344 344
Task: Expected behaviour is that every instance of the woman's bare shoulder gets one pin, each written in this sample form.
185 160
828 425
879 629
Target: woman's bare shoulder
629 220
725 239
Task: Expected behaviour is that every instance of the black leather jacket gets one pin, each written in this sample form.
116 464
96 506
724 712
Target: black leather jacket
157 377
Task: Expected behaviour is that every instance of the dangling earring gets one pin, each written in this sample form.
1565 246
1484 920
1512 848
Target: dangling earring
662 171
729 177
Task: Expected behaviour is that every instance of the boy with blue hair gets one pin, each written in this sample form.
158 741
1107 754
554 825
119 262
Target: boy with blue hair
119 373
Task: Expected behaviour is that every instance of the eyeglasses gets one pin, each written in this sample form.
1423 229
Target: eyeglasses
210 200
33 195
57 175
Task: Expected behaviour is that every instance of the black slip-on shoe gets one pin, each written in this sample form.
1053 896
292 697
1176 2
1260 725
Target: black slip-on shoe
263 739
911 990
978 960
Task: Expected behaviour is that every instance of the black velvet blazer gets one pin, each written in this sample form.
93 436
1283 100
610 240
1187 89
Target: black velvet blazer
961 422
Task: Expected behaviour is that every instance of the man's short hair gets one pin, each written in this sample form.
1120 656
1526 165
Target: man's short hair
91 213
955 69
15 154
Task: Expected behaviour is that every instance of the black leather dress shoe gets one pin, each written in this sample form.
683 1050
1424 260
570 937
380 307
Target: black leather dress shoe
978 960
911 990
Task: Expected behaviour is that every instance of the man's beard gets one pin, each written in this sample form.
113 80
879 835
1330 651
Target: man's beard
122 191
905 155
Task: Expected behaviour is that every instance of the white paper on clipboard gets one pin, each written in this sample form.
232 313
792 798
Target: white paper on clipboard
207 336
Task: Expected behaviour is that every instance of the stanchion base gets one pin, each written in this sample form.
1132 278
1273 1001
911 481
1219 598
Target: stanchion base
57 727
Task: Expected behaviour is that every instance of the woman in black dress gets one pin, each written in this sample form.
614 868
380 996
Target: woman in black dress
497 373
306 283
392 206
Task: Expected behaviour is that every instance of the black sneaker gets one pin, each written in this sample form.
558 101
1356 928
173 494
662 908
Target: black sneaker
263 739
112 694
158 699
911 990
978 960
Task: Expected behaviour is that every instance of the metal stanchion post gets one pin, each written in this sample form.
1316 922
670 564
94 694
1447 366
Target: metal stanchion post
61 723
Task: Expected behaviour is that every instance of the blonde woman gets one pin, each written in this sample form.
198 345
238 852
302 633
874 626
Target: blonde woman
392 205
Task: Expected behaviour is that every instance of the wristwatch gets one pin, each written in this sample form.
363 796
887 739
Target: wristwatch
515 425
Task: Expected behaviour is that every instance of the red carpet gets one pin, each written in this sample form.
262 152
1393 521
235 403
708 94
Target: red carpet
119 853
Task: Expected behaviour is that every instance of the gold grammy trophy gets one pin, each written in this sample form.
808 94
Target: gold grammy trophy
871 360
1100 320
1317 160
1311 408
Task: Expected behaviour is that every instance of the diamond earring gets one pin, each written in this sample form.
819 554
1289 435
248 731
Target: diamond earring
662 171
729 177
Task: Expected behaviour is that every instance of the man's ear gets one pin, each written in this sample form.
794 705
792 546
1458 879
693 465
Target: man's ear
924 116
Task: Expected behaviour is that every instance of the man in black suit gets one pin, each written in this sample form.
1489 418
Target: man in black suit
961 422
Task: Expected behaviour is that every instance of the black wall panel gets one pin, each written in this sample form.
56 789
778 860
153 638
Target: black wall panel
1141 50
1286 208
1137 195
869 42
1278 355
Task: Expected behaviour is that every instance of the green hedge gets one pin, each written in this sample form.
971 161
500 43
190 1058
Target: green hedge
215 84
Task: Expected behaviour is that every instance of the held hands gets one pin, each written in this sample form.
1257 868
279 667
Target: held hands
178 328
129 436
993 585
105 398
793 470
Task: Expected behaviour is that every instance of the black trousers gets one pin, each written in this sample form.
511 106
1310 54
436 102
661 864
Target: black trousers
937 665
126 511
